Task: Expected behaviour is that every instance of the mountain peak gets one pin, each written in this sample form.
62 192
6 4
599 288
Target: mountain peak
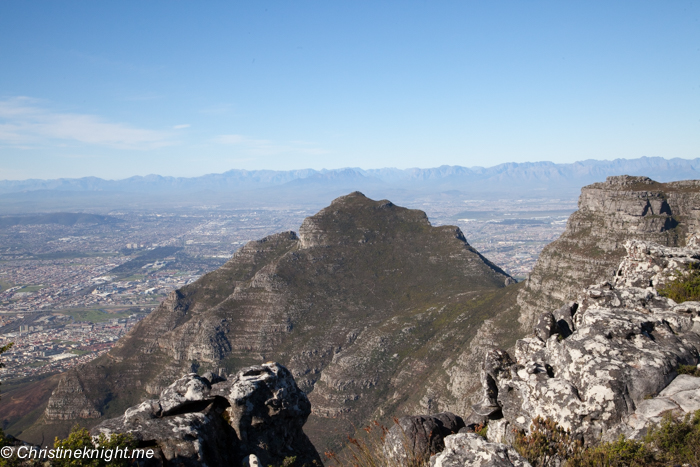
357 219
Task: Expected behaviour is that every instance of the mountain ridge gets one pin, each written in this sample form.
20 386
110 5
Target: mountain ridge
443 177
329 303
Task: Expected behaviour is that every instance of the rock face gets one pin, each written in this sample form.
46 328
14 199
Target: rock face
197 421
68 401
370 307
420 436
470 449
606 364
610 213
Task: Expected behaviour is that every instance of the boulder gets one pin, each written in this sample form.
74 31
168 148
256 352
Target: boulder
420 436
469 449
256 416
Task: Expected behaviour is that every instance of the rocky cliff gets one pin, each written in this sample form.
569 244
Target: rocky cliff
374 311
602 366
607 363
620 209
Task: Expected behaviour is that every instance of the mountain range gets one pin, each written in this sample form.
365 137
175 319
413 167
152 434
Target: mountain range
313 187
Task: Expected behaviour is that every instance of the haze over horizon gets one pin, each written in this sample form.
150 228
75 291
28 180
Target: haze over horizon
177 89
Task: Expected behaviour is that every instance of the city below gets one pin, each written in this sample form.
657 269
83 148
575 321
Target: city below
72 284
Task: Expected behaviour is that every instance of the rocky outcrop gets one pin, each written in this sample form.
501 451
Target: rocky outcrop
471 449
419 437
68 401
369 308
607 363
621 208
256 416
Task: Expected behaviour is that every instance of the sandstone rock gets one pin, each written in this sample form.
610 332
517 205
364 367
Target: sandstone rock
268 412
69 402
258 415
190 389
420 436
469 449
545 327
603 379
589 251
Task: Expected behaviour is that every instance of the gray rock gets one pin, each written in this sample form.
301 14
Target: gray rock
258 415
469 449
420 436
268 412
496 365
563 317
684 391
545 327
591 248
624 345
190 389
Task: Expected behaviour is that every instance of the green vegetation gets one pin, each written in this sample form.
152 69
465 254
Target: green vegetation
691 370
4 285
684 288
80 439
676 441
31 288
134 277
133 268
37 364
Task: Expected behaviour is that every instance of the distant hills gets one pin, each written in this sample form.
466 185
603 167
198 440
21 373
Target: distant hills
316 187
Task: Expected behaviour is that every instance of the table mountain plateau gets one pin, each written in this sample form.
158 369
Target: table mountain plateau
374 311
590 249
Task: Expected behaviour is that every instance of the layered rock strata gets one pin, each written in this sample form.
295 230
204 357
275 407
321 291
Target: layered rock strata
621 208
369 307
256 416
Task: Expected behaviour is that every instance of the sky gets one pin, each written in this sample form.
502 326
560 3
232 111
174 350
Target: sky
184 88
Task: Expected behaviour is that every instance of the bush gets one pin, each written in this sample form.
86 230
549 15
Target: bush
691 370
547 443
80 438
677 441
684 288
621 453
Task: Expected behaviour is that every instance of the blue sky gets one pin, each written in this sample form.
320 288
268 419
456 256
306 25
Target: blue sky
115 89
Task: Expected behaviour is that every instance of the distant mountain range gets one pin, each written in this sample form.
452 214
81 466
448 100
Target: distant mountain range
317 187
